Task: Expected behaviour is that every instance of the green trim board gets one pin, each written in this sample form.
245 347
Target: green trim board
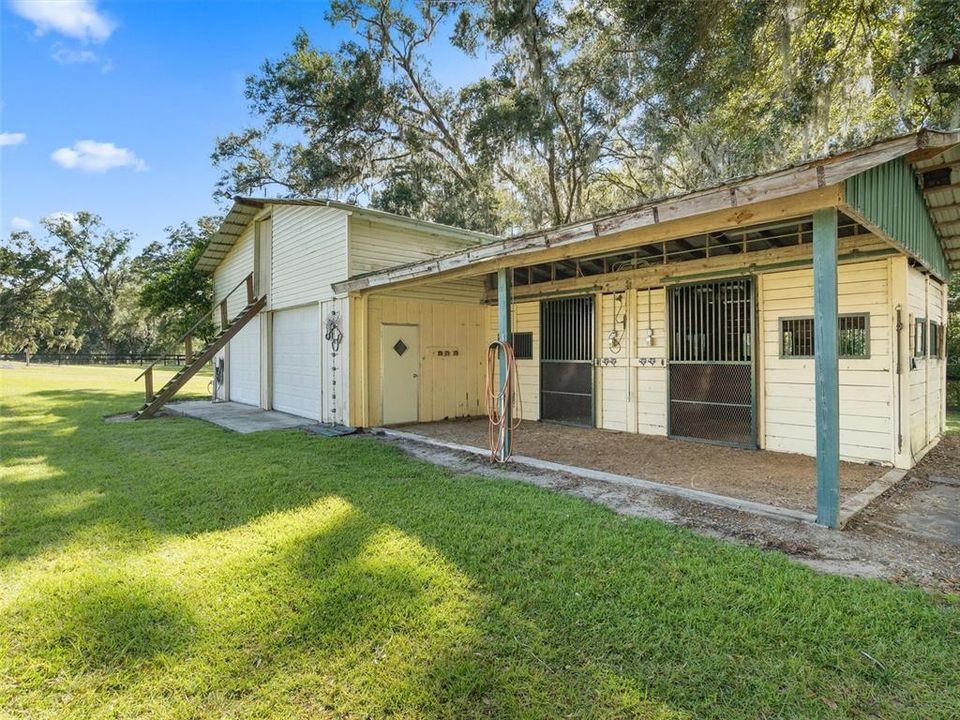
889 198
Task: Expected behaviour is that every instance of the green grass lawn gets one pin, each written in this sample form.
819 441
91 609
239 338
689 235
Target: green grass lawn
170 569
953 421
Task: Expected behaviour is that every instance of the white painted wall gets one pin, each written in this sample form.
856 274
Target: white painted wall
866 385
376 245
927 391
309 253
235 266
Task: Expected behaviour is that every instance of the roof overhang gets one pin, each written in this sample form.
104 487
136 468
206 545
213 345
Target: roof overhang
733 201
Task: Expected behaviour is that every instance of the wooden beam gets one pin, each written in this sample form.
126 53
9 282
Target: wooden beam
826 366
938 188
940 166
599 239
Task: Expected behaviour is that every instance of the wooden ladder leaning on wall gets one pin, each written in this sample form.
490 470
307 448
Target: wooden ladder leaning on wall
195 361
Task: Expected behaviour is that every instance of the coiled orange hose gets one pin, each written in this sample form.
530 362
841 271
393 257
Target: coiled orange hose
502 401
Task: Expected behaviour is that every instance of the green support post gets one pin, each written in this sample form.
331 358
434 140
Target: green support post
827 367
503 334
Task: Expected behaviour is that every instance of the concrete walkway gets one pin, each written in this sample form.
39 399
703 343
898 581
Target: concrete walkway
237 417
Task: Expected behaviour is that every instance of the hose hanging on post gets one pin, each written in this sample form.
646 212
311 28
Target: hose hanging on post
504 406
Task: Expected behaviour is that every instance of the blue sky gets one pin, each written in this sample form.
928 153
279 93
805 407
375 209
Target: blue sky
113 107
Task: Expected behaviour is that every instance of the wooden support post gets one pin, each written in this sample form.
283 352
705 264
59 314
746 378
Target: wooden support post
148 384
503 334
250 295
188 348
827 367
224 317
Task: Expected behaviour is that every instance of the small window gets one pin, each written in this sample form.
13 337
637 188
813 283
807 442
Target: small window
522 345
853 333
796 337
920 338
853 336
935 333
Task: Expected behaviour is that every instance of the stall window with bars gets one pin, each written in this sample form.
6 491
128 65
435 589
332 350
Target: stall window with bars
853 336
920 337
522 345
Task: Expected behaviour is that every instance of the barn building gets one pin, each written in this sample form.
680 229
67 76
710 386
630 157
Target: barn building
800 311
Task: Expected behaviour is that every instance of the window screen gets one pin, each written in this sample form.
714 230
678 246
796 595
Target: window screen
522 345
853 336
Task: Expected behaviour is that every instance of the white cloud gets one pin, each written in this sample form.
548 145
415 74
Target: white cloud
78 19
8 138
19 223
93 156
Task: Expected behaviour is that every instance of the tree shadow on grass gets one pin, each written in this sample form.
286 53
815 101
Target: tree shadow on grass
559 607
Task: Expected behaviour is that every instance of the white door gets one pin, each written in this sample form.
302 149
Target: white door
244 364
400 381
296 361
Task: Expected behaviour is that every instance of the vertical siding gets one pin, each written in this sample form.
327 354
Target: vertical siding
524 317
866 396
335 368
652 373
377 245
309 253
925 300
451 385
613 371
917 304
889 196
235 266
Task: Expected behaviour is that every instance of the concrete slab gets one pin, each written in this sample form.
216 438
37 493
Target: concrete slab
932 512
237 417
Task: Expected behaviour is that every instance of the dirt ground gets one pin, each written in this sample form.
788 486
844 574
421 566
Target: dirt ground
884 542
782 479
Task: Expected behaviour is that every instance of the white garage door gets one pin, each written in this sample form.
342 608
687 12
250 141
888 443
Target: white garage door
296 361
244 349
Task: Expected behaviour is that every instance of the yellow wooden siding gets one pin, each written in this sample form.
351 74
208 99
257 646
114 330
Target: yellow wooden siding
235 266
651 358
524 317
468 290
309 253
866 396
377 245
452 354
613 372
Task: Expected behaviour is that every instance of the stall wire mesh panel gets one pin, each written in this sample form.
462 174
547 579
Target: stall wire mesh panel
566 360
711 362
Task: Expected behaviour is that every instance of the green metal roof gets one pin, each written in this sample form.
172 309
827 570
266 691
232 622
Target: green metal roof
889 197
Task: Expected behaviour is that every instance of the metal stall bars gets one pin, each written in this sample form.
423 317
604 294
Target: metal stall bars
711 365
566 360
